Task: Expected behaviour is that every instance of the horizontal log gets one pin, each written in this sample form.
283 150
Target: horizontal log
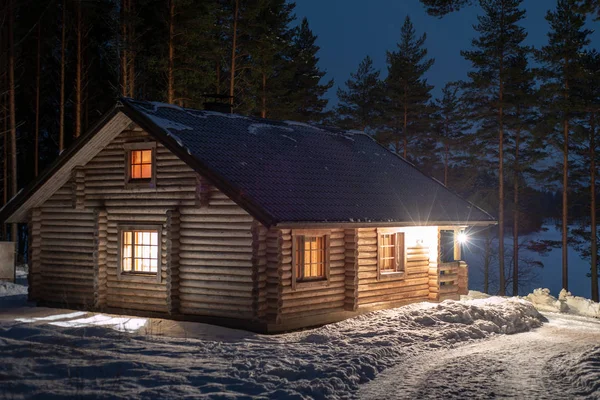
423 293
317 298
313 309
227 312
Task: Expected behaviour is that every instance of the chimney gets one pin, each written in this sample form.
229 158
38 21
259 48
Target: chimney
219 103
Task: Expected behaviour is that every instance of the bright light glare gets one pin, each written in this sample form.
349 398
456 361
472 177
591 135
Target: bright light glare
462 237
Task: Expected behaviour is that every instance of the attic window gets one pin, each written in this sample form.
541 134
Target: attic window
141 164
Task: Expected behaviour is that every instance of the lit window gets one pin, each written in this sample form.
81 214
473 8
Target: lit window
310 258
447 246
390 252
140 251
140 164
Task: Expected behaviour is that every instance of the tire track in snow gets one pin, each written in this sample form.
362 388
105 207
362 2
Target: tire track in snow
559 360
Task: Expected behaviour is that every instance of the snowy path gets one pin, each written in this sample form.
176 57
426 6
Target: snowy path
559 360
51 353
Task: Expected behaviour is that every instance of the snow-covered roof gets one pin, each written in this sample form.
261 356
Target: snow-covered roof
298 172
282 172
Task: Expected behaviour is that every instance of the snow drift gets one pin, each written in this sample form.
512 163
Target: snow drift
71 359
566 303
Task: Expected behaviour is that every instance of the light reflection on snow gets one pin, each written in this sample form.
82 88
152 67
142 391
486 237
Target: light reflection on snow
52 317
121 324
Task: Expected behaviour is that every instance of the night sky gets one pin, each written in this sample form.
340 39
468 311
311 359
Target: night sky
348 30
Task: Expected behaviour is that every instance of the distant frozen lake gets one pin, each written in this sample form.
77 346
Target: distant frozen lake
548 277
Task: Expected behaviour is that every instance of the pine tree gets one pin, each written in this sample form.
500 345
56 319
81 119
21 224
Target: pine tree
500 41
407 88
269 48
439 8
304 100
63 61
592 7
524 145
585 135
561 68
171 63
360 103
451 122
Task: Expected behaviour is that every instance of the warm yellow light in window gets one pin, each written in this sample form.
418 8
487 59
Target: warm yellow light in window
140 251
141 164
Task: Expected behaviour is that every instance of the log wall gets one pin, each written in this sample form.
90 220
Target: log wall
313 298
35 251
207 258
421 255
216 259
67 256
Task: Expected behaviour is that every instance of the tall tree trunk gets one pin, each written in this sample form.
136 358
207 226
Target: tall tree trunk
515 291
63 45
131 51
233 52
502 280
446 156
594 238
405 125
4 95
397 136
78 67
565 204
565 208
218 80
263 111
12 111
38 73
124 45
170 72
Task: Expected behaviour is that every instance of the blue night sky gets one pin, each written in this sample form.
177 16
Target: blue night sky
348 30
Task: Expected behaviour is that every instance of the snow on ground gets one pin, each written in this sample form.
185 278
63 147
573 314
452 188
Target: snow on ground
542 300
559 360
64 354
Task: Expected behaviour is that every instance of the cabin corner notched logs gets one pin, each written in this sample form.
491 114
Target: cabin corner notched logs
215 259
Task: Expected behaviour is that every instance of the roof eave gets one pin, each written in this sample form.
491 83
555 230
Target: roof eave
375 224
14 205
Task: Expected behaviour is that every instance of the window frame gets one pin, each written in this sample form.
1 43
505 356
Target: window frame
318 281
133 275
456 246
139 182
399 254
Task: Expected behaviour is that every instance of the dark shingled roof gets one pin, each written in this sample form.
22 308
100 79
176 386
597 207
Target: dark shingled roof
295 172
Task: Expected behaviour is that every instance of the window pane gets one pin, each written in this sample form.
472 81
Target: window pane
146 171
387 252
299 262
140 251
127 264
135 157
447 246
147 156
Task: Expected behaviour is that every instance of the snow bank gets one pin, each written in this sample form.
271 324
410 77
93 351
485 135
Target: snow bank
579 305
11 289
80 358
566 303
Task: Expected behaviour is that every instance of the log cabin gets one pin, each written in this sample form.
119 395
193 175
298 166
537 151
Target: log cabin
265 225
